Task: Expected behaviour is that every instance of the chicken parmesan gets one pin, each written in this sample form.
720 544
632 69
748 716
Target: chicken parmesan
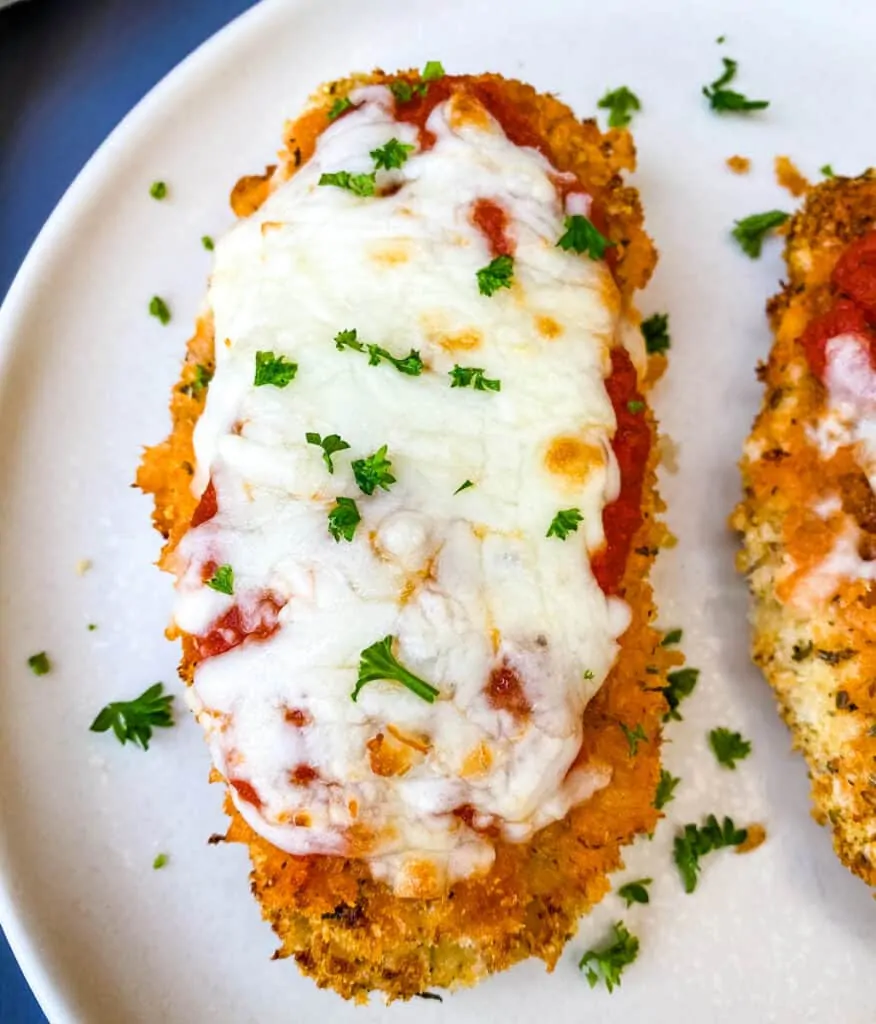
409 502
808 518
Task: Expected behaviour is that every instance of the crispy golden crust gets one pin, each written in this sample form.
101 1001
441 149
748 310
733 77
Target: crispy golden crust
344 929
821 663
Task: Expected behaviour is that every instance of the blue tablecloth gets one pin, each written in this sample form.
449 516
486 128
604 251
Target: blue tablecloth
69 71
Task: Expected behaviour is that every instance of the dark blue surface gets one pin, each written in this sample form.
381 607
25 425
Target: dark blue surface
69 71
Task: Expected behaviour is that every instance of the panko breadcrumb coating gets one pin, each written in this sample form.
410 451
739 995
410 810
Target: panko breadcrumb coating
344 929
817 651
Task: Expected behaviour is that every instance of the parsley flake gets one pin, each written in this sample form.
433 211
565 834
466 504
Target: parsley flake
609 961
694 843
588 674
374 471
666 786
827 171
330 444
681 685
272 369
222 580
92 626
202 377
671 637
635 892
160 861
473 377
751 231
621 103
582 236
655 331
392 155
378 662
207 243
158 190
720 39
726 100
497 274
402 90
635 406
432 71
359 184
464 486
728 747
133 720
343 519
565 522
411 364
341 104
159 309
39 664
634 737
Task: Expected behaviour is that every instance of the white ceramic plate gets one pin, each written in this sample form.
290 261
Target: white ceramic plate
785 934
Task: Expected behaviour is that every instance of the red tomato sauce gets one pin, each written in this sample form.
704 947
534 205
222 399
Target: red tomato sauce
246 791
492 221
207 506
854 307
232 628
505 692
631 445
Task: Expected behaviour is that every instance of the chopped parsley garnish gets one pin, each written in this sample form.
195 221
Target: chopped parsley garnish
341 104
392 155
273 369
222 580
411 364
665 792
158 190
92 626
655 331
608 963
588 674
827 171
751 231
432 71
473 377
728 747
402 90
621 103
39 664
358 184
378 662
495 275
348 339
330 444
160 860
134 720
159 309
635 406
671 637
726 100
634 737
464 486
375 471
635 892
693 843
720 39
565 522
582 236
681 685
207 243
343 519
203 376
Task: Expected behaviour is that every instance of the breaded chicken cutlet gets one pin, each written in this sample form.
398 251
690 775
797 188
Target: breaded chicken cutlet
409 498
808 518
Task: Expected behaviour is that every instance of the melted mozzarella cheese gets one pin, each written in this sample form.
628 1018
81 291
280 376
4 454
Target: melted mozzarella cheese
468 583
